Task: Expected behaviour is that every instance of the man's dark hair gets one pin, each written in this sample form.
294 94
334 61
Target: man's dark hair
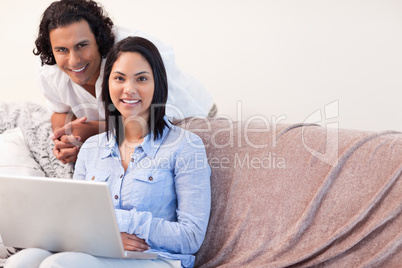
148 50
65 12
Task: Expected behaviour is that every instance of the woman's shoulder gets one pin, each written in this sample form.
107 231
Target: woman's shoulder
96 141
183 136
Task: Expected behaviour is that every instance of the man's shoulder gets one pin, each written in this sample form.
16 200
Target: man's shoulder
52 73
49 69
123 32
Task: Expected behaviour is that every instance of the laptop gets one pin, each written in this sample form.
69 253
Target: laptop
61 215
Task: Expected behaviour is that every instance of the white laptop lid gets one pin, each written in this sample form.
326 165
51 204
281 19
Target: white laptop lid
60 215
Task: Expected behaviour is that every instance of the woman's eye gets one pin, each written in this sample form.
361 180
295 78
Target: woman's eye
119 78
142 78
61 49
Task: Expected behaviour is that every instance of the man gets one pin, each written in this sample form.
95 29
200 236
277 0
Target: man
74 38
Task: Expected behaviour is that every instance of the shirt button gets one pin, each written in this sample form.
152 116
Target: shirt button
116 197
132 159
150 178
121 176
93 177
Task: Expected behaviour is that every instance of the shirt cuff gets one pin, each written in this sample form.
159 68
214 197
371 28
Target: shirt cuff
134 222
123 220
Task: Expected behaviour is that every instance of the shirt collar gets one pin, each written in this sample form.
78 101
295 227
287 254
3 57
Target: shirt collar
64 77
111 148
149 145
99 81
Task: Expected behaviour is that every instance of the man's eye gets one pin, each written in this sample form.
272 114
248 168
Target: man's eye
61 50
82 45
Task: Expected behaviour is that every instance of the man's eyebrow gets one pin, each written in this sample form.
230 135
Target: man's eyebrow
58 47
82 42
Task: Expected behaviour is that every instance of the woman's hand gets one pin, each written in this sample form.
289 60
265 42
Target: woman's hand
133 243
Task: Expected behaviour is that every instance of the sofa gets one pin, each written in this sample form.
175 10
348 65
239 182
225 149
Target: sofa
285 195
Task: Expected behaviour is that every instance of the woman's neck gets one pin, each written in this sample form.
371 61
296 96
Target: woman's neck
135 131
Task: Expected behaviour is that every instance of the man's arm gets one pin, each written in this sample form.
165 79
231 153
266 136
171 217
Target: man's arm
69 135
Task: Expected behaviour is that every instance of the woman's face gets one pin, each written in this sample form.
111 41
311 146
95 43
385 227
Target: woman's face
131 85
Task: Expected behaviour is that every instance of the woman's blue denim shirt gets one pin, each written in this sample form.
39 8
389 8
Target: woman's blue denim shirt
163 197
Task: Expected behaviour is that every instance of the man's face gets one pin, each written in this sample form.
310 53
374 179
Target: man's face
77 53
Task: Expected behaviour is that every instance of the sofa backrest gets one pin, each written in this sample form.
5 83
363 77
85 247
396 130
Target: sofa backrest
299 194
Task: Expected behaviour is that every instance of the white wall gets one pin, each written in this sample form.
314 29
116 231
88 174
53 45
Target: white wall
271 58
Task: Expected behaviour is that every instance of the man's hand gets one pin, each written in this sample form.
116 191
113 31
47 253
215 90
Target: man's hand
69 136
65 150
133 243
67 130
66 145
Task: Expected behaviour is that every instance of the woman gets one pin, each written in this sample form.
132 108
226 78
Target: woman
157 173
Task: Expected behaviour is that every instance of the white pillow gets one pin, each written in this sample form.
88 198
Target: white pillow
5 252
15 157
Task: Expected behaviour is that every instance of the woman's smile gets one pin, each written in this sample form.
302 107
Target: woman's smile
128 101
